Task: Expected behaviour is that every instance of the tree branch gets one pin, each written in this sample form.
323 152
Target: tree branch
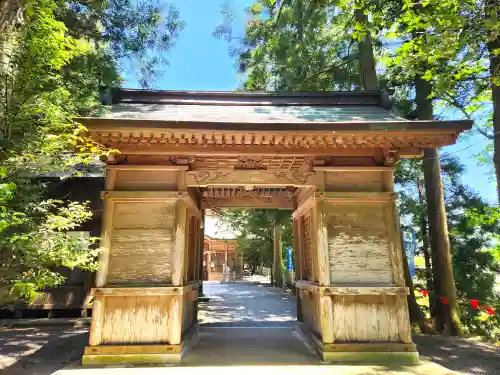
329 69
278 15
484 133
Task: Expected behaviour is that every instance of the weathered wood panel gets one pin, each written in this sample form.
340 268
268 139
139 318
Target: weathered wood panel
189 308
310 310
358 243
144 180
354 181
137 320
141 255
370 318
143 215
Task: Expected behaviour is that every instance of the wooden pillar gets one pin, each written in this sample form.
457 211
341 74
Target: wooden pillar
209 260
179 245
142 295
202 257
356 305
225 255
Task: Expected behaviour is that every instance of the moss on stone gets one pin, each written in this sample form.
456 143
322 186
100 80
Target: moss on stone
386 358
114 359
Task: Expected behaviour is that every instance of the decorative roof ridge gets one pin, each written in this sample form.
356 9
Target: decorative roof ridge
111 96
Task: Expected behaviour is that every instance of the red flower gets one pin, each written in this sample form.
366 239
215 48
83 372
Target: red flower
474 303
444 300
424 292
489 310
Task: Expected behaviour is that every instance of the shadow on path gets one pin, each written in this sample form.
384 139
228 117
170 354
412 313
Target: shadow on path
460 354
246 304
249 346
40 351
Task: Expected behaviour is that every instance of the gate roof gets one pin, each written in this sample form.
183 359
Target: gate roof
184 122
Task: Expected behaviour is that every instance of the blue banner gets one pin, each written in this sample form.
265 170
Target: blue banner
289 262
409 245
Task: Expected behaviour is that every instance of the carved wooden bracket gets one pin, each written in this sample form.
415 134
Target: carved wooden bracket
113 158
182 160
390 156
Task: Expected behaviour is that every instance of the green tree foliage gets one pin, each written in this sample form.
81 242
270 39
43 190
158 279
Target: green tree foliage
255 228
294 46
135 35
474 250
55 59
454 45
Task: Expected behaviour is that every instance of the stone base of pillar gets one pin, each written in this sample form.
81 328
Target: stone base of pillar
140 354
360 353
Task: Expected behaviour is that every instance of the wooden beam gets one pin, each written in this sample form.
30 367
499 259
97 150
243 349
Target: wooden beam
350 197
110 178
394 127
305 205
353 290
395 250
251 178
130 167
263 150
179 250
133 349
321 237
355 169
326 311
105 243
97 321
371 347
144 195
142 291
250 202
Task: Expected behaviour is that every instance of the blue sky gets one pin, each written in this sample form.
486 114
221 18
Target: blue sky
199 61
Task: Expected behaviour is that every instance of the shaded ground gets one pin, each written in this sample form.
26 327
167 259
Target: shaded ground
226 339
465 355
40 350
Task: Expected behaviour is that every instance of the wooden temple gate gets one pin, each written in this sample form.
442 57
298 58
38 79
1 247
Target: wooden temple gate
328 156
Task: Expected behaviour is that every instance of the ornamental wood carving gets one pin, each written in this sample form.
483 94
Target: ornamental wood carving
390 157
220 140
247 202
249 178
250 162
206 177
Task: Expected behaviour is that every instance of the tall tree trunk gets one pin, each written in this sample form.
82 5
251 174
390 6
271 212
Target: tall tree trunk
11 16
444 284
416 316
495 98
425 245
366 57
277 257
